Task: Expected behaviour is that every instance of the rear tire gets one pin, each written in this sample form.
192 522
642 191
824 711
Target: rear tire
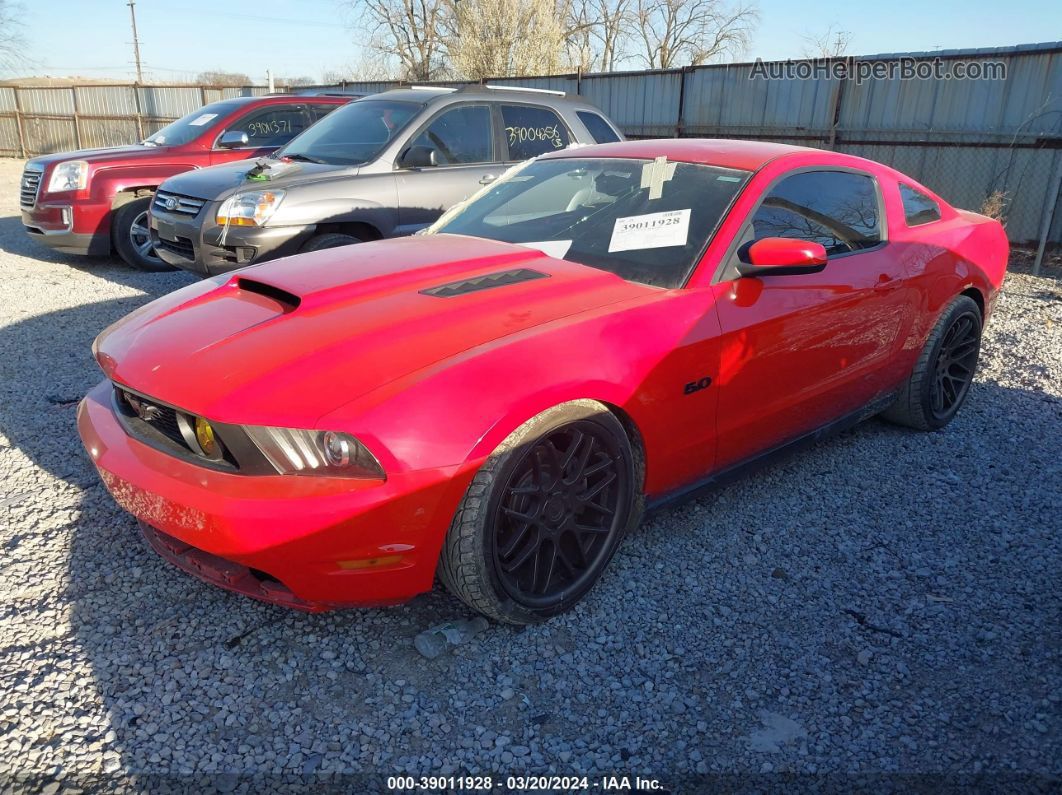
131 236
544 515
941 378
330 240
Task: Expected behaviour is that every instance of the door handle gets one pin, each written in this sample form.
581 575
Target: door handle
486 179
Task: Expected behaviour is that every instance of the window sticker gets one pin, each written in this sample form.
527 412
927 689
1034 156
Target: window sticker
654 230
551 248
199 121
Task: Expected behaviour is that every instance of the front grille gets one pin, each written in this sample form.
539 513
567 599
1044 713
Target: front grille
162 419
27 191
182 246
175 203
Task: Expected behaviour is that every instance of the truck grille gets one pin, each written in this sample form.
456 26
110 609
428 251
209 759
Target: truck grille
175 203
31 183
182 246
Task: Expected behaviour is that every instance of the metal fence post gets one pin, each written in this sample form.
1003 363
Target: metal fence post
836 103
680 122
77 118
18 125
1048 217
139 112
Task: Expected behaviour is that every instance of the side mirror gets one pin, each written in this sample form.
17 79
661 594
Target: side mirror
233 139
418 157
783 256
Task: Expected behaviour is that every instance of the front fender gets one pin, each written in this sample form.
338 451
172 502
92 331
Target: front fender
108 182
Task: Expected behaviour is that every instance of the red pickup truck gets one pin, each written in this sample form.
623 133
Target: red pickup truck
95 201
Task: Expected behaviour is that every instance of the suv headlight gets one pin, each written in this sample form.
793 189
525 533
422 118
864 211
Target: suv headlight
252 208
69 175
300 452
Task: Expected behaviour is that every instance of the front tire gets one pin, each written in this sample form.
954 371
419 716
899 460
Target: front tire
941 378
131 236
544 515
330 240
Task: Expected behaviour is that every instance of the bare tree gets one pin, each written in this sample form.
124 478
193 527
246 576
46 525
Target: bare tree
410 32
302 80
12 44
597 32
833 43
686 32
499 38
219 78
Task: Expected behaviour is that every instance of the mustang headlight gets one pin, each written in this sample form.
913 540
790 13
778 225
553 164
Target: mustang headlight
299 452
69 175
251 208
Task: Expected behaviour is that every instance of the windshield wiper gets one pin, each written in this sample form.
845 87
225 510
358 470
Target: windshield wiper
304 158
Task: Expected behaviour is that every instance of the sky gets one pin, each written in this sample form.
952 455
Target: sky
92 38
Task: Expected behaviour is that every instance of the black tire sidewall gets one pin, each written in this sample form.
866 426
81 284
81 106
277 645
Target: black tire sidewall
961 307
123 220
322 242
564 415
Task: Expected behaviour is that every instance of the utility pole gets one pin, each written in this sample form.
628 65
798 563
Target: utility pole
136 42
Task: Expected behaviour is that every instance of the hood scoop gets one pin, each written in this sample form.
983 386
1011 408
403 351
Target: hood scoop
289 301
486 282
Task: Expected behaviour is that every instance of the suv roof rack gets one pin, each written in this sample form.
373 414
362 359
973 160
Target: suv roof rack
494 87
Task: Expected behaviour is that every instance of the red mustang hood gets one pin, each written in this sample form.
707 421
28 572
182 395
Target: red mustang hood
285 342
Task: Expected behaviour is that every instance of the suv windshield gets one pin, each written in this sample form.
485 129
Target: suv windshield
353 134
646 221
191 126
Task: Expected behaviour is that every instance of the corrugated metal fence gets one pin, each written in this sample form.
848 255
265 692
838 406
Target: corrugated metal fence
39 120
966 139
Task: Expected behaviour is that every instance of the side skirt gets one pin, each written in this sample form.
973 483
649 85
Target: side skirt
737 471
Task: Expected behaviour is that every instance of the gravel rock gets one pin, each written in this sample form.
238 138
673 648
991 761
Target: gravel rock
887 600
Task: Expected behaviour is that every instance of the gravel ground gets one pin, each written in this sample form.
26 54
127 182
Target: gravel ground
887 601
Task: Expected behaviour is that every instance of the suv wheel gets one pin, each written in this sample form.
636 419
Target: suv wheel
330 240
132 236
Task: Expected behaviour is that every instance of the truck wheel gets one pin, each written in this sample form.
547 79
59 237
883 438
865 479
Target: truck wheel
941 379
132 236
544 515
330 240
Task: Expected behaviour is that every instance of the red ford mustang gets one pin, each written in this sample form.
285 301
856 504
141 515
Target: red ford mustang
497 401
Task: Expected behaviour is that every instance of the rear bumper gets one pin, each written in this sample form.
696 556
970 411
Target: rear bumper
55 226
196 244
327 542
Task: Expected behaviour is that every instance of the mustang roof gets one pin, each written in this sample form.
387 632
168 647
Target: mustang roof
748 155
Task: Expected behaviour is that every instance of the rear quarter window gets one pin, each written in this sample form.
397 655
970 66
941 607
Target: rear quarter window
600 129
918 208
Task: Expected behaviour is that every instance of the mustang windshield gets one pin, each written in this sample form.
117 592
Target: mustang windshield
644 220
353 134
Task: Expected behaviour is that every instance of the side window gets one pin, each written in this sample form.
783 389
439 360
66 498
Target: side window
598 127
834 208
532 131
917 207
461 135
273 126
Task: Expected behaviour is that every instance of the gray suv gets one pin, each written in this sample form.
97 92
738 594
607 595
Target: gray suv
382 166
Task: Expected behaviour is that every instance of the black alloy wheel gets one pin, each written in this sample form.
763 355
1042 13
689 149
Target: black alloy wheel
556 515
955 365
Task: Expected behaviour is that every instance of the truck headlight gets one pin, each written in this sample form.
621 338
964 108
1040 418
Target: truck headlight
252 208
68 175
302 452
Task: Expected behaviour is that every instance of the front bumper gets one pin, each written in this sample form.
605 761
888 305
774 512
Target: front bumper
54 224
312 543
197 244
